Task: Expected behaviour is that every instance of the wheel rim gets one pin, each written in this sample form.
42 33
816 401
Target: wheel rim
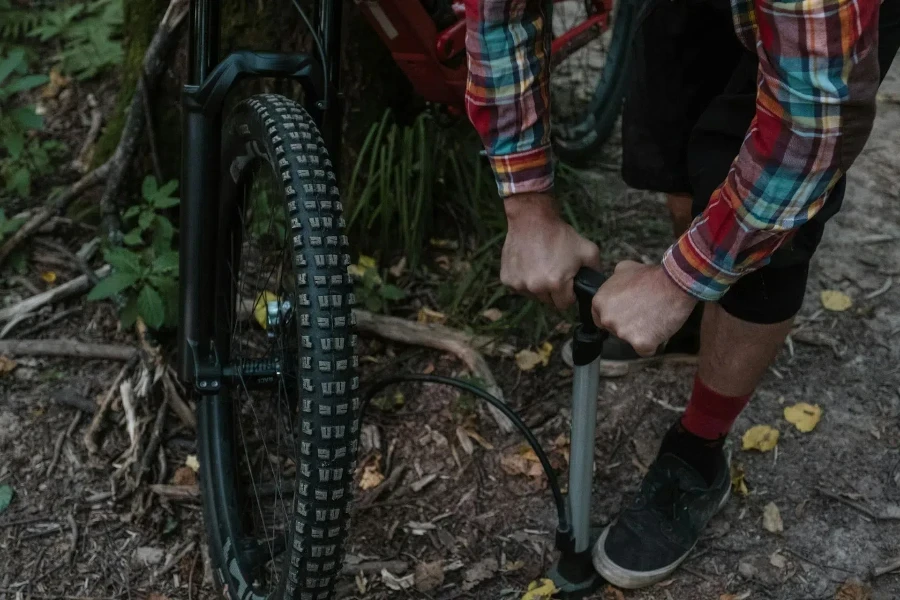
579 78
263 420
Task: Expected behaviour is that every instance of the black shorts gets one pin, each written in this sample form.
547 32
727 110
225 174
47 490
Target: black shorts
690 102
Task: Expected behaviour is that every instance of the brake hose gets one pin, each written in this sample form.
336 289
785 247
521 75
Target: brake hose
502 407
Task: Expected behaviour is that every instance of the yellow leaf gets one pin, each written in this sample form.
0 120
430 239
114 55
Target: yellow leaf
493 314
772 519
371 475
426 315
57 82
260 308
192 462
7 365
739 481
540 590
367 262
835 300
804 416
760 437
514 565
529 359
49 276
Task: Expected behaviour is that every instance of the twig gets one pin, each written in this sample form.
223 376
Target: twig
888 568
60 440
70 288
179 406
90 436
176 559
857 506
71 348
820 565
48 212
81 162
375 566
70 556
884 288
45 323
155 438
176 492
191 576
439 338
127 394
151 68
386 486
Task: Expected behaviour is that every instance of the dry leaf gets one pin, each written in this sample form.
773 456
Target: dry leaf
521 464
397 583
853 590
184 476
778 560
739 480
57 83
429 576
772 519
7 365
465 441
540 590
49 276
192 462
371 475
835 300
260 308
529 359
480 571
493 314
429 369
361 583
426 315
399 268
481 441
514 565
760 437
804 416
611 593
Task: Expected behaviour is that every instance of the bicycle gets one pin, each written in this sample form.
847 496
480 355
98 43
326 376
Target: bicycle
262 239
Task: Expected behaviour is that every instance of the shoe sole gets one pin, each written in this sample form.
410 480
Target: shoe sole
632 580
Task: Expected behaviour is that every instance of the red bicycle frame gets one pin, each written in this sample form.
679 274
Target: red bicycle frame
434 61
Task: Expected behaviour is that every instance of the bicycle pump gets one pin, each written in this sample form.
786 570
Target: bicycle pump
574 574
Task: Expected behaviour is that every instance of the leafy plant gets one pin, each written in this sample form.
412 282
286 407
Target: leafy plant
145 274
7 227
374 293
147 218
25 156
88 35
16 21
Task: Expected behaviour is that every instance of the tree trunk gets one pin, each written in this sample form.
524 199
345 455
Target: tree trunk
372 82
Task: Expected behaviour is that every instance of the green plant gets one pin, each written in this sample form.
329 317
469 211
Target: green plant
145 274
25 155
8 227
88 36
371 289
15 21
147 218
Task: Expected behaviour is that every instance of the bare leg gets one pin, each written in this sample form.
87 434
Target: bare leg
680 211
734 354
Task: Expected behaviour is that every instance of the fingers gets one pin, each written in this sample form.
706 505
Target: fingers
590 255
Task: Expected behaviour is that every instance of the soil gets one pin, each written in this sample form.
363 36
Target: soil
478 531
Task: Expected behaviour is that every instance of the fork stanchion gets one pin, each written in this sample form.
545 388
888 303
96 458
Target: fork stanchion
574 574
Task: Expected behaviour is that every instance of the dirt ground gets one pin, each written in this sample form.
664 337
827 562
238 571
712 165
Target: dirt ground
488 532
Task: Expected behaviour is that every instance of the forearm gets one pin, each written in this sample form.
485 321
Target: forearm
818 77
507 96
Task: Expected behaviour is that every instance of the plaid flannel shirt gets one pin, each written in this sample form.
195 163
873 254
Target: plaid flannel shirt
818 77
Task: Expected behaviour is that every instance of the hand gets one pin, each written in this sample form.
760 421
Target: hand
641 305
542 253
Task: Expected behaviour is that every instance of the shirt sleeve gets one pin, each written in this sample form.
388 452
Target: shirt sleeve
508 94
817 81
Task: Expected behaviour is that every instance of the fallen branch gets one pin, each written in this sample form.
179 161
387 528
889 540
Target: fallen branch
83 159
155 439
439 338
90 436
179 406
888 568
78 285
153 65
57 449
176 492
41 217
71 348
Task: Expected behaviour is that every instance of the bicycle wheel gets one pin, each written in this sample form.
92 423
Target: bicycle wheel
588 84
278 445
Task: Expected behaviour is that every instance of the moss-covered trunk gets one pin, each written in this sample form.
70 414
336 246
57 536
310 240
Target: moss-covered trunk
371 80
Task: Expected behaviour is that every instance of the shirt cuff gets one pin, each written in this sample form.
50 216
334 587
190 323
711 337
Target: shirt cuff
694 271
525 172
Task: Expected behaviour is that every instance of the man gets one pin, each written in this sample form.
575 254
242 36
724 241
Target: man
747 116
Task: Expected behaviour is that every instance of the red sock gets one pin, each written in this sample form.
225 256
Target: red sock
709 414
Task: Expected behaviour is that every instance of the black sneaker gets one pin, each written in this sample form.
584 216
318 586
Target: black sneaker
618 358
648 541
